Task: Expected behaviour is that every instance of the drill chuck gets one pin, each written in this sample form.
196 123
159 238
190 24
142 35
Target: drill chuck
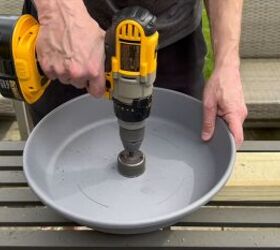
132 138
137 111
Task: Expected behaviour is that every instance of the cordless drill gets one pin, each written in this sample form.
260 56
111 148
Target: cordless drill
131 58
131 45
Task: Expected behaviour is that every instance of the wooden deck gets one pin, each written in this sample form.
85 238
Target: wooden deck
245 214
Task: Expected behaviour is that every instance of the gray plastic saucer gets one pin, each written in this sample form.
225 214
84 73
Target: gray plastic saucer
70 163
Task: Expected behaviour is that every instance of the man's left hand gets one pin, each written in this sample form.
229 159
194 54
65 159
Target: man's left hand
223 96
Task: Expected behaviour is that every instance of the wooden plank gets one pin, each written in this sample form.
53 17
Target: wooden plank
12 178
11 147
165 239
255 180
24 119
261 123
205 216
10 163
18 196
256 169
234 217
265 111
31 216
6 107
9 130
247 195
260 146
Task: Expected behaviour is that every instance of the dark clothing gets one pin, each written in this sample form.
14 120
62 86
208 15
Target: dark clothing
179 64
175 18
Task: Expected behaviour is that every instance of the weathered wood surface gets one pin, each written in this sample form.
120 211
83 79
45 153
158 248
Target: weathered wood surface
242 215
207 216
6 107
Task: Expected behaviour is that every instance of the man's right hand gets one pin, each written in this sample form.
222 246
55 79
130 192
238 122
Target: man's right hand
70 45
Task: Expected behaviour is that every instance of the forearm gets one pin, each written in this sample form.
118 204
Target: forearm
225 21
66 8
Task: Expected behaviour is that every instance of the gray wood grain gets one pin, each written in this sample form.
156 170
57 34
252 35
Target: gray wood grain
10 163
260 146
262 123
11 147
31 216
234 217
12 178
206 216
18 196
6 107
166 238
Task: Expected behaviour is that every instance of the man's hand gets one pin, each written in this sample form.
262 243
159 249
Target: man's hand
70 45
223 96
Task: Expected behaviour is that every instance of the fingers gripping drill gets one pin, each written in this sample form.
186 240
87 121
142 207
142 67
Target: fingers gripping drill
131 58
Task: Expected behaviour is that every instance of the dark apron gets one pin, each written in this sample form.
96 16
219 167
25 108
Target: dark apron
179 68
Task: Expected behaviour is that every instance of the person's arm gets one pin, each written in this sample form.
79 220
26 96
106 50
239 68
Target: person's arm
223 94
70 44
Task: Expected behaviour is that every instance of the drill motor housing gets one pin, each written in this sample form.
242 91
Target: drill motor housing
131 52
